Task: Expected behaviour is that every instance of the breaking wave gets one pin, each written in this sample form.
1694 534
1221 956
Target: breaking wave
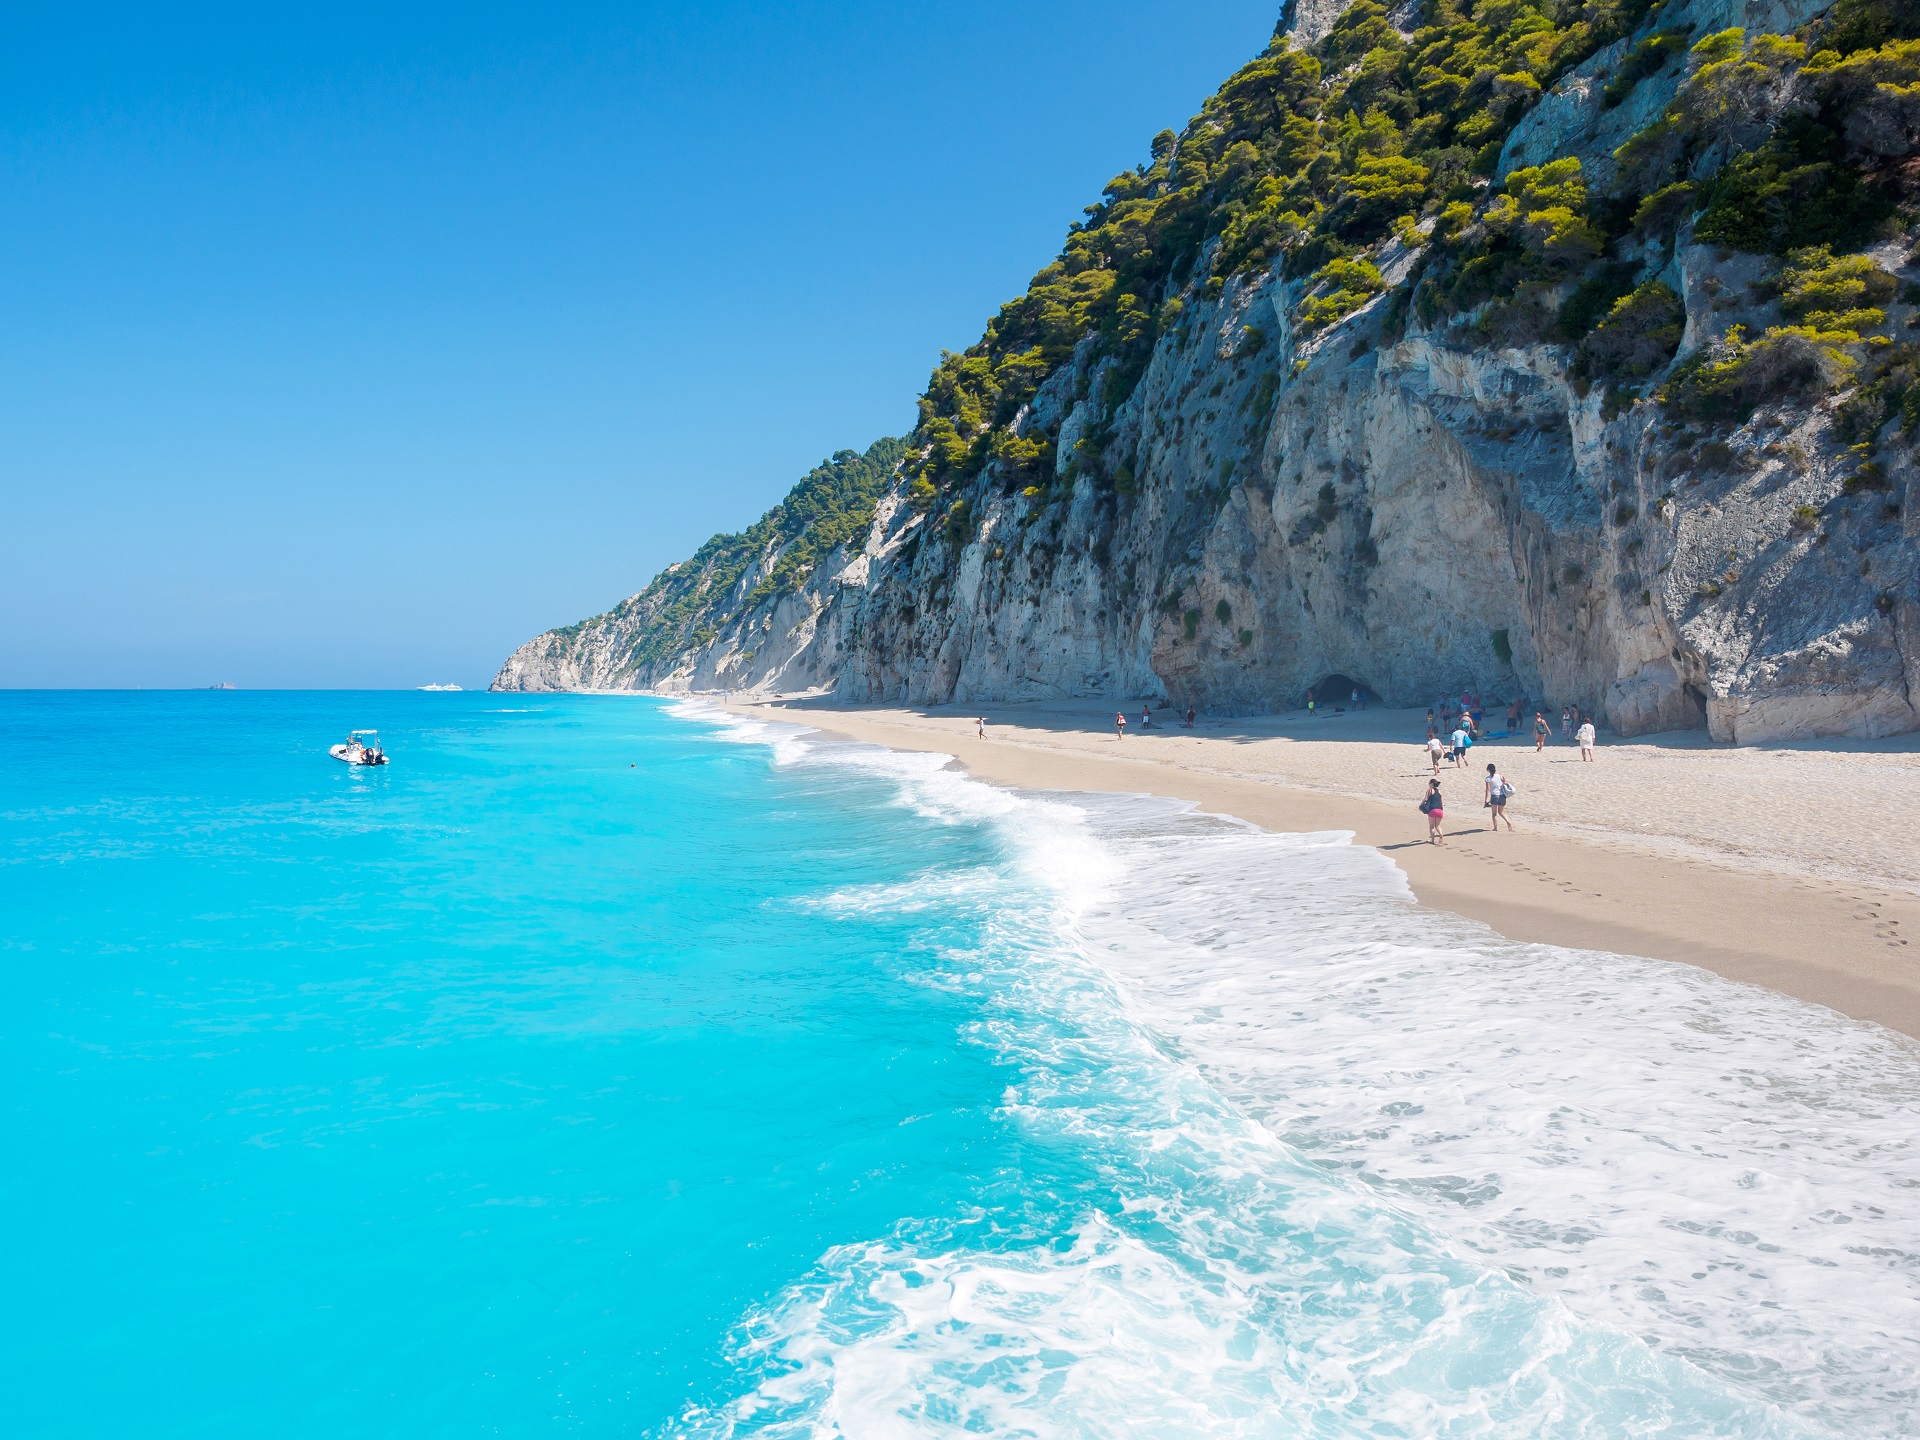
1299 1157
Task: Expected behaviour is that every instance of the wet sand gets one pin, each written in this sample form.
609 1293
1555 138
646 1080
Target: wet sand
1796 867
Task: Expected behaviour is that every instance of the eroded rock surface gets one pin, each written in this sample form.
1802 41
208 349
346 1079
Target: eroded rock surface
1414 509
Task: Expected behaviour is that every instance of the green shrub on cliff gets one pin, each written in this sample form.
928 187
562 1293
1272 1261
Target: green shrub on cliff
1593 298
1348 284
1649 57
959 523
831 506
1544 210
1728 379
1888 390
1832 303
1519 253
1834 292
1782 149
1637 338
1863 24
1796 190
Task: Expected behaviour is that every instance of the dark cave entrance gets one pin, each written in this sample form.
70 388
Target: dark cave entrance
1336 693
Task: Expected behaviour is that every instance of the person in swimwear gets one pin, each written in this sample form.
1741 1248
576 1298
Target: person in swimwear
1435 811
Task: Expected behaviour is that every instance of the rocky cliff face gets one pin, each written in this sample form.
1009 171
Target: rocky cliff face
1407 500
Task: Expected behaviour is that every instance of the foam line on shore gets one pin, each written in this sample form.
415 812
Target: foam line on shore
1852 946
1702 1172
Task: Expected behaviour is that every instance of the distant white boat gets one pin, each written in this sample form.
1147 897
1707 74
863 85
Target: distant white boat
439 687
229 685
361 747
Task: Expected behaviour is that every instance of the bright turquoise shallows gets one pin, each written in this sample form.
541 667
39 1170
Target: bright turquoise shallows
477 1095
597 1068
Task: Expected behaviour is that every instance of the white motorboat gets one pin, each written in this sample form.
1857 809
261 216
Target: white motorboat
361 747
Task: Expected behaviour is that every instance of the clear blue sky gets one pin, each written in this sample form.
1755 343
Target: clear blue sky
352 345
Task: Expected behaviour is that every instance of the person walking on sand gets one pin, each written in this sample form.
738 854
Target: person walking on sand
1119 725
1585 736
1498 793
1309 704
982 723
1435 811
1460 741
1146 717
1434 748
1566 722
1190 713
1541 730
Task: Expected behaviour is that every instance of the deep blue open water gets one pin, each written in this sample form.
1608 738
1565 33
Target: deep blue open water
602 1067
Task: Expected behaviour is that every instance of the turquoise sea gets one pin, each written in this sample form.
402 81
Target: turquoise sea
605 1066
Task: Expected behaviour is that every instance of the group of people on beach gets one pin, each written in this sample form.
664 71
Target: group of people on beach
1454 726
1497 790
1146 720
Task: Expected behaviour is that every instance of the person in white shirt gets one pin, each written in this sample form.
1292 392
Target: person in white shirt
1498 793
1585 736
1435 750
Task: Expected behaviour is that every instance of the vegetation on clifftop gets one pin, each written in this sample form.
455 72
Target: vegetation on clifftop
731 575
1311 159
1302 158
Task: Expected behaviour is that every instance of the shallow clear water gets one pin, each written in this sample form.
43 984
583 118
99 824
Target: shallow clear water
604 1067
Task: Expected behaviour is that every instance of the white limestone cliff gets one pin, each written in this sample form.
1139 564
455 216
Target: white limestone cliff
1404 508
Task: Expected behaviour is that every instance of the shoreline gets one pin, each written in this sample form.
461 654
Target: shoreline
1816 938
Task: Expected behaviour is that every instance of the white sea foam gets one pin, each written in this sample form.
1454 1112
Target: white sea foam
1726 1172
1378 1171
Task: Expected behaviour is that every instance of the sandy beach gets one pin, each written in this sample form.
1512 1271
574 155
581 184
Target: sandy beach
1795 867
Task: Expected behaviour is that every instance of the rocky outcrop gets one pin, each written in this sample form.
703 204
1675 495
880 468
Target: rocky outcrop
743 611
1405 506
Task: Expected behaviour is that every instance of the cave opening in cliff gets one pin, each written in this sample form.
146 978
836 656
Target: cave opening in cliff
1336 692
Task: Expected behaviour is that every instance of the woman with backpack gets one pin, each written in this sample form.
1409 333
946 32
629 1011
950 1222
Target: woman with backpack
1435 811
1498 793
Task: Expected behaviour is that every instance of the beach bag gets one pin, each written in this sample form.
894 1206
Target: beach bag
1503 792
1426 805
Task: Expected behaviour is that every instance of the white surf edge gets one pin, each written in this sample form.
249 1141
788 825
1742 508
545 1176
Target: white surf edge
1725 1172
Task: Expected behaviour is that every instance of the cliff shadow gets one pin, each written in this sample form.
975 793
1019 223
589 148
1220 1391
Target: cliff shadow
1375 724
